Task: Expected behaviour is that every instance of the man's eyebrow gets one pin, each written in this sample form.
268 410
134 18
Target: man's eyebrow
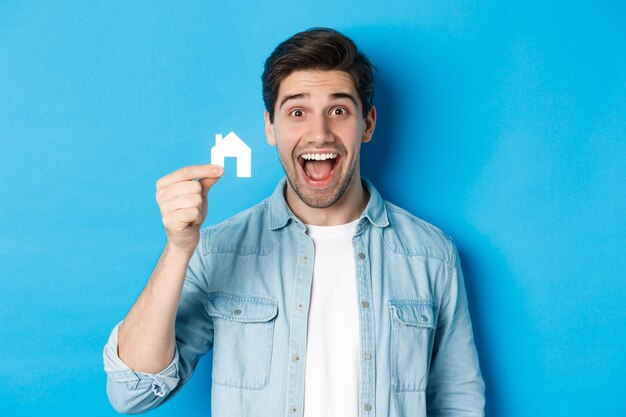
292 97
334 96
345 95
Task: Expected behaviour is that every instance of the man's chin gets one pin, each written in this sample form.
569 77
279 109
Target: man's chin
318 198
319 203
321 198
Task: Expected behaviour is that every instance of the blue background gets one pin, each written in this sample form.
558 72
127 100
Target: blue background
503 123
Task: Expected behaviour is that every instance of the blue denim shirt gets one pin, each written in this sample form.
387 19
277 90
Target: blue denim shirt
246 296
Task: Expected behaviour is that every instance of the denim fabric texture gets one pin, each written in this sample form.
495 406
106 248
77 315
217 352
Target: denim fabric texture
246 296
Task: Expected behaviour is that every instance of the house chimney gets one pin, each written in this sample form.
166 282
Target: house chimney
218 138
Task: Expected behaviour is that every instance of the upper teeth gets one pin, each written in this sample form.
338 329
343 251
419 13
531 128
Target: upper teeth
319 156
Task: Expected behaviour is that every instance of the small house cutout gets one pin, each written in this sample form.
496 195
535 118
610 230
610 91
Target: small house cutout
232 146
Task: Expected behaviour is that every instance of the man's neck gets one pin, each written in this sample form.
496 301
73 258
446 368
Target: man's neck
348 208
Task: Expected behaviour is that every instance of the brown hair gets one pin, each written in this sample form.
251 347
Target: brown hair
317 48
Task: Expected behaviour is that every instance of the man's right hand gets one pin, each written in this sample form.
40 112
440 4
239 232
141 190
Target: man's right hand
147 337
182 199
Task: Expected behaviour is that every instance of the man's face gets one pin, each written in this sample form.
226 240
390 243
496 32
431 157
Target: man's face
318 129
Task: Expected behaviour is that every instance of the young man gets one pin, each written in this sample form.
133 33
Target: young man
322 300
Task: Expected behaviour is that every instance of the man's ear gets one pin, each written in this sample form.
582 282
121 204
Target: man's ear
370 125
269 129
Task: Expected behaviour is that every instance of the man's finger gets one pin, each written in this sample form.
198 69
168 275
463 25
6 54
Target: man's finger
208 171
180 188
207 183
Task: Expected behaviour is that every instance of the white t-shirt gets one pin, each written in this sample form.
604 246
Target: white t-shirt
332 358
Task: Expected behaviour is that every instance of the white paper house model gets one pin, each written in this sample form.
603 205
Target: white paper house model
232 146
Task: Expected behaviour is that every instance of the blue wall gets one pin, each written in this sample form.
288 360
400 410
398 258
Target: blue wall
503 124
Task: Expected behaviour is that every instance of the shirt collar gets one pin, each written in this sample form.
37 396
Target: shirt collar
280 214
376 209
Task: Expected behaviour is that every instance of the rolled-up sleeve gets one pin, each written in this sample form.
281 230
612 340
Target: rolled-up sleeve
455 384
133 392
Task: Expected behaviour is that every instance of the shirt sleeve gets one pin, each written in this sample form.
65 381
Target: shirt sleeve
133 392
455 384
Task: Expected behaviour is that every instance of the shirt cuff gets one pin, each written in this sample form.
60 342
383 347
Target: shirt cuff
161 383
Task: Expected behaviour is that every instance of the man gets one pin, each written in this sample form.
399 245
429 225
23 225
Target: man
322 300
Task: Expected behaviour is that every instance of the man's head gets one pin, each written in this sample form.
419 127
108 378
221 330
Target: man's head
318 91
317 49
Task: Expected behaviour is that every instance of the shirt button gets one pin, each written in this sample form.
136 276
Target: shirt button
237 312
367 356
299 306
362 255
293 409
365 304
367 407
296 358
305 258
424 318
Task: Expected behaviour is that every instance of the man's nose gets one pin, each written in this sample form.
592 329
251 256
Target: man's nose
319 129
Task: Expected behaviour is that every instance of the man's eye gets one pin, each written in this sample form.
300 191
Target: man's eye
338 111
297 113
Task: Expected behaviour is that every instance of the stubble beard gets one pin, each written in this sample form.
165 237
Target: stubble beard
312 198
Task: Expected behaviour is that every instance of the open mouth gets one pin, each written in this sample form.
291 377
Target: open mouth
318 168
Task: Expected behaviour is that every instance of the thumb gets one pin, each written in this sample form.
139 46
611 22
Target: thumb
207 183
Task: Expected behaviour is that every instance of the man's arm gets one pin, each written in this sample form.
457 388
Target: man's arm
146 339
455 385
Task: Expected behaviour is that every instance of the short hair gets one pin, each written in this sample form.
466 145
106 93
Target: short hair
317 49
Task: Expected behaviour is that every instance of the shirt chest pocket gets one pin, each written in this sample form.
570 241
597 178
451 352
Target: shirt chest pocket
412 335
242 340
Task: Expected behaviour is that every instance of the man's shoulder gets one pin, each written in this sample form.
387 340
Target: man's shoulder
411 235
255 213
241 234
